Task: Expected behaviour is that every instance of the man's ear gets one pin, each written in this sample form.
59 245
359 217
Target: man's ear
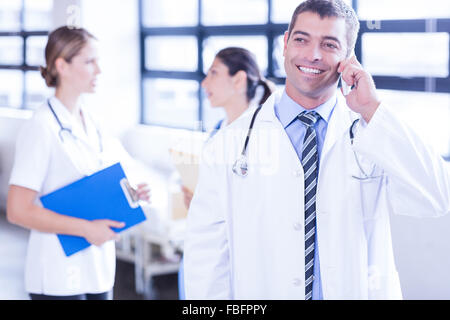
240 81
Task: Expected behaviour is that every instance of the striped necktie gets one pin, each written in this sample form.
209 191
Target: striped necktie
310 159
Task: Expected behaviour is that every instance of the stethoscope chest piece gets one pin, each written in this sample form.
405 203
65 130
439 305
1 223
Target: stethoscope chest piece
64 133
240 167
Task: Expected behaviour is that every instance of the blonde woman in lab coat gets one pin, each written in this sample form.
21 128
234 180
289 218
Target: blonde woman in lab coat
59 145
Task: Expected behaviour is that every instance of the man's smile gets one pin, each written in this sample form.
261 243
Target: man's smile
310 70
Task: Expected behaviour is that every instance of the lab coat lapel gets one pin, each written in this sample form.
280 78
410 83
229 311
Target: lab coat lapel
90 136
267 116
267 113
68 121
62 113
339 125
82 147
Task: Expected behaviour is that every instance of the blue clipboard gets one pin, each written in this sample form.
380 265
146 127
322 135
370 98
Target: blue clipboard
105 194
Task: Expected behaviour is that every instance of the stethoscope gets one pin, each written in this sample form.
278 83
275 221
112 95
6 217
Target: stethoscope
240 167
364 176
69 130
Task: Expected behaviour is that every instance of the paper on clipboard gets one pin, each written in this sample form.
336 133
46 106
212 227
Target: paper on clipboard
187 165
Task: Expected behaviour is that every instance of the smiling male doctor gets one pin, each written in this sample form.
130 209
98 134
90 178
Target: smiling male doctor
313 222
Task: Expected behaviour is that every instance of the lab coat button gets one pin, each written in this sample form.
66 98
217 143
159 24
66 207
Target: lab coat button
298 226
297 282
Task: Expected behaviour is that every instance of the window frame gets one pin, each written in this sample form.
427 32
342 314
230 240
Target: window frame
422 84
201 32
24 67
271 31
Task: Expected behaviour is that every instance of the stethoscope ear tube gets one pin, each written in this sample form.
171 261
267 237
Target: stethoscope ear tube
364 176
352 135
56 117
247 139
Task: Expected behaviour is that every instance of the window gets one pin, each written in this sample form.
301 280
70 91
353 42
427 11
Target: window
403 9
24 26
170 13
11 90
256 44
234 12
172 102
179 40
179 45
403 43
429 59
282 10
163 53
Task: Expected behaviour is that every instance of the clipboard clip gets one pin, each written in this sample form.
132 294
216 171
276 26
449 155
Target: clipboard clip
130 193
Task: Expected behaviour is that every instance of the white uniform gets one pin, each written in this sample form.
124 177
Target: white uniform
44 163
245 236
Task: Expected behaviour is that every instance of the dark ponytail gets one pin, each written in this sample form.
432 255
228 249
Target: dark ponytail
237 59
268 87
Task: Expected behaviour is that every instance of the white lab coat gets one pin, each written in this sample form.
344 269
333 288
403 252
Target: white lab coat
44 163
245 236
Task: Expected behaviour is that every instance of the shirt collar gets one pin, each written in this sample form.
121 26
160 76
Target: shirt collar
287 109
64 115
68 120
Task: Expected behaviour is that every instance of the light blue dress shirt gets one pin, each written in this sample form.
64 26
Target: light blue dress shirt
287 111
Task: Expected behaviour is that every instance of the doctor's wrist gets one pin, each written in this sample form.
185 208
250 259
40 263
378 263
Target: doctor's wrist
370 110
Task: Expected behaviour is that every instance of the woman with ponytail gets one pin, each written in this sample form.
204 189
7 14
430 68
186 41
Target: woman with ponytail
232 83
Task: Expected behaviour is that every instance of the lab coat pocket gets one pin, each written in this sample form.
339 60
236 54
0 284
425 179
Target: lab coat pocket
370 193
369 179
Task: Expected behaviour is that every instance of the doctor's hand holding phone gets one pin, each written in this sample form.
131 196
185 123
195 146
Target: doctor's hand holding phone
358 88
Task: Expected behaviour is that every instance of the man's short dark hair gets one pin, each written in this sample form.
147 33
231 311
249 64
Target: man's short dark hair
331 8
